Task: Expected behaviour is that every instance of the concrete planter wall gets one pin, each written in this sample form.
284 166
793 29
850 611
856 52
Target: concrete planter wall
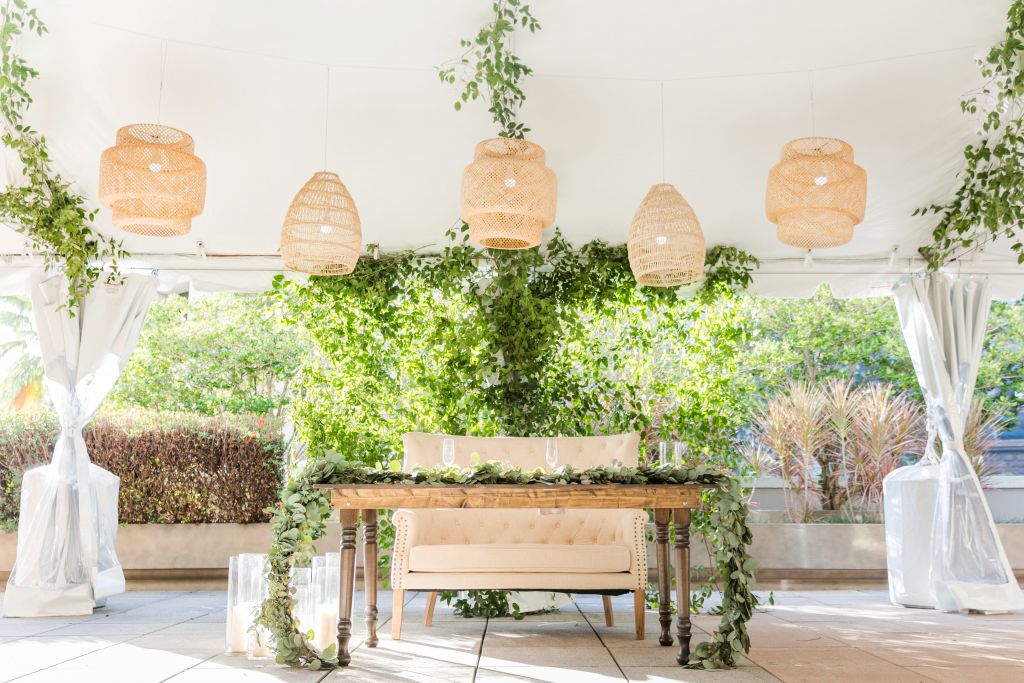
171 551
806 552
831 552
842 551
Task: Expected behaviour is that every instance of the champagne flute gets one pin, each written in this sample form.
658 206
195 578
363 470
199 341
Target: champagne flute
680 453
448 452
552 453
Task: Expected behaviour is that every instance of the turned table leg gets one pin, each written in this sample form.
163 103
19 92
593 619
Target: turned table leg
348 571
681 518
664 582
370 575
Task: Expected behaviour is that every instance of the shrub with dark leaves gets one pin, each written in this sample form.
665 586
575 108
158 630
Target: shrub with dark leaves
174 468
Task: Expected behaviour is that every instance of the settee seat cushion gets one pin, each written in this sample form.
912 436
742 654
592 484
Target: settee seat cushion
519 558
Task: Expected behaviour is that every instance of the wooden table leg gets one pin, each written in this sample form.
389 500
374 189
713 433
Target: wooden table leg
370 575
681 518
664 582
348 571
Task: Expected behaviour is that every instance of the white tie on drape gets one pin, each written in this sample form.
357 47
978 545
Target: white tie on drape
943 319
66 559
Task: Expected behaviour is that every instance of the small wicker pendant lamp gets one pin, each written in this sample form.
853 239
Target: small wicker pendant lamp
322 234
666 244
508 194
816 194
152 181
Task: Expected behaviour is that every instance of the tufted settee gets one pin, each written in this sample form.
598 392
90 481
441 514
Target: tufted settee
599 551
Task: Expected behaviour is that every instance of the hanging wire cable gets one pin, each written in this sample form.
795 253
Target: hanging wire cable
810 87
327 111
586 77
163 69
662 87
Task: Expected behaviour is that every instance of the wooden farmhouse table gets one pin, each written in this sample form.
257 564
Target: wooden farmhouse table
668 502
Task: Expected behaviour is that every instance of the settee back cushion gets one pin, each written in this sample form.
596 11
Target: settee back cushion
581 452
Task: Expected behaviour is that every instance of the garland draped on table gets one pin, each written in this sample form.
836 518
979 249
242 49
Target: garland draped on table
301 515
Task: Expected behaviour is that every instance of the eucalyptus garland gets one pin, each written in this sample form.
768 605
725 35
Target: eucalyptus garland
989 203
300 519
46 209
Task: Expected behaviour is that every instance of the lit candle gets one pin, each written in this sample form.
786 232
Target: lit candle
240 619
259 643
326 632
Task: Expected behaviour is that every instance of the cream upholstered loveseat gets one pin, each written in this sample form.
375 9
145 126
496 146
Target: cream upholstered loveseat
598 551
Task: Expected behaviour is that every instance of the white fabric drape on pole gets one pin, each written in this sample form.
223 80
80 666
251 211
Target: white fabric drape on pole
938 523
66 560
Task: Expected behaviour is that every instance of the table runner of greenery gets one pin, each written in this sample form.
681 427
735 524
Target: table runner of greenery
301 515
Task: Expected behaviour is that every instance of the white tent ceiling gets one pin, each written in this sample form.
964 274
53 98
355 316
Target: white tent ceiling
247 80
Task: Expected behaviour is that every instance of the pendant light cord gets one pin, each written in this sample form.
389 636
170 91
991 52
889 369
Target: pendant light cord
810 87
661 86
327 111
160 93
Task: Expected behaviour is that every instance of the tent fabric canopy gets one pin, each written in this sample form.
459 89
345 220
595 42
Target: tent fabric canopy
740 79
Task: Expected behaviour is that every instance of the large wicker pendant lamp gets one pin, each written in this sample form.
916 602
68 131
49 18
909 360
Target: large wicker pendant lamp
152 181
508 194
322 234
816 194
666 244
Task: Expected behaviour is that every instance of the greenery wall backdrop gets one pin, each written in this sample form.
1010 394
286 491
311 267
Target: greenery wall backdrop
553 340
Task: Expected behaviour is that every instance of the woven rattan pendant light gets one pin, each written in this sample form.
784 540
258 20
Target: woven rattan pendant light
322 234
816 194
666 244
508 194
152 181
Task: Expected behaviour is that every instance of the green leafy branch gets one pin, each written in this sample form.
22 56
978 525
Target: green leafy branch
728 267
482 604
989 202
489 69
300 519
52 216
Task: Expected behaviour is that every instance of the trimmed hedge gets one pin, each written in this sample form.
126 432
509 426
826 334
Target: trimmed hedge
174 467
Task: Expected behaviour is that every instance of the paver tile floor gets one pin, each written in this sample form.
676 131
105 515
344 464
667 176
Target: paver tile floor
143 637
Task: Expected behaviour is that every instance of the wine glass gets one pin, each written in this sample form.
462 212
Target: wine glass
448 452
680 453
552 453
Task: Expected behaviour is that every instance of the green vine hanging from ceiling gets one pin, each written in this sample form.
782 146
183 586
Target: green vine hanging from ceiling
989 202
490 69
45 209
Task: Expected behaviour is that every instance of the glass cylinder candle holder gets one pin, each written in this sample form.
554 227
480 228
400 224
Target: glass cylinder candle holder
236 635
305 604
327 584
252 591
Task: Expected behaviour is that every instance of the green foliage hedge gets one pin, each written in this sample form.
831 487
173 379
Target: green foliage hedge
174 468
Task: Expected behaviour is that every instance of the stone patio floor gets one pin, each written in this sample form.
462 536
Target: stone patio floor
806 636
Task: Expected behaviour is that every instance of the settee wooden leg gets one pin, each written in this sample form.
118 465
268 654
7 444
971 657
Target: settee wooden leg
428 614
639 607
609 616
397 606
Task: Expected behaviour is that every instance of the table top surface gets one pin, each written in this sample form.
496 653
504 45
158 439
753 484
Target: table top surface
620 496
